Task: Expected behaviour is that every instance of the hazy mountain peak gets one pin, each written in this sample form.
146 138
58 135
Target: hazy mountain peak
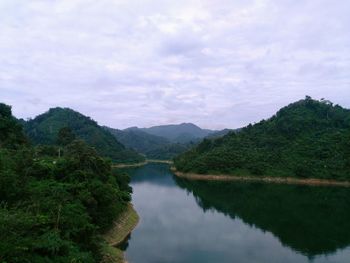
183 132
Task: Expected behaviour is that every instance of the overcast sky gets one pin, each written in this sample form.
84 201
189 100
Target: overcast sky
218 63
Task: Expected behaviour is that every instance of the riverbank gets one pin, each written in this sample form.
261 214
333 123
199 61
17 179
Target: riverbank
264 179
141 164
123 226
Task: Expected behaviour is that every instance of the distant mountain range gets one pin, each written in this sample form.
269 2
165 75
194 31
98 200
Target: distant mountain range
122 146
179 133
165 141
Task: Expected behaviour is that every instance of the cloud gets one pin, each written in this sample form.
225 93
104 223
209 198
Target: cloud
215 63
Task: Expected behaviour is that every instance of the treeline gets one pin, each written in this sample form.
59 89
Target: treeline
308 138
56 200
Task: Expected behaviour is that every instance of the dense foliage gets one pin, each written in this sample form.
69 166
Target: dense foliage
168 151
11 135
44 129
53 209
308 138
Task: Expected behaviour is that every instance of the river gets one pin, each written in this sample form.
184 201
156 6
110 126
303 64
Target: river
188 221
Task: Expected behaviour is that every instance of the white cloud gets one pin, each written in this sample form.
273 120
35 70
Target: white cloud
215 63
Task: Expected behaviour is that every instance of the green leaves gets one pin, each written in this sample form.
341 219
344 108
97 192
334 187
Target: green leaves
11 135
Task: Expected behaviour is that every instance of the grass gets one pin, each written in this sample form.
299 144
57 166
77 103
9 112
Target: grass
111 254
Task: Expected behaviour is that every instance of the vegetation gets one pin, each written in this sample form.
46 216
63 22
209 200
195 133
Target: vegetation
181 133
152 146
218 134
308 139
122 227
54 209
166 141
138 140
116 239
45 128
168 151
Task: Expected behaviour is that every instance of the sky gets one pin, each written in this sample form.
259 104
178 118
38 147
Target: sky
216 63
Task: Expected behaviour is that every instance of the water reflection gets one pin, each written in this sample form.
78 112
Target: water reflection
186 221
312 220
157 174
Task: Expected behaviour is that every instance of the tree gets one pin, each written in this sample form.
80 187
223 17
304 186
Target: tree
65 136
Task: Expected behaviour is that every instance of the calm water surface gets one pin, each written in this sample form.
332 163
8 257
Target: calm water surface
186 221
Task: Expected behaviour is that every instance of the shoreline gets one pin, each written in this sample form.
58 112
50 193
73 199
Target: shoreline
125 165
159 161
264 179
121 229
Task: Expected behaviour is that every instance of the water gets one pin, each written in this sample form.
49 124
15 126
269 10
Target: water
188 221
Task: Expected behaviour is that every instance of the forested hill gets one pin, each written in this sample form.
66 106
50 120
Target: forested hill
44 130
179 133
308 138
55 207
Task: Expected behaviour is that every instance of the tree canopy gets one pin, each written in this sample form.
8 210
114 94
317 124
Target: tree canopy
53 209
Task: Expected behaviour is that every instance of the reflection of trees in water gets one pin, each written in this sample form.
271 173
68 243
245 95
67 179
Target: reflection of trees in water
125 243
311 220
154 173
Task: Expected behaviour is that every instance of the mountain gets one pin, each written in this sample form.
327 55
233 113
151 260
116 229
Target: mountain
168 151
44 129
137 139
164 142
153 146
179 133
308 138
221 133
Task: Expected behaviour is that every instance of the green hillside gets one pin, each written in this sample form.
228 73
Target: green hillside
137 139
45 128
168 151
55 209
308 138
